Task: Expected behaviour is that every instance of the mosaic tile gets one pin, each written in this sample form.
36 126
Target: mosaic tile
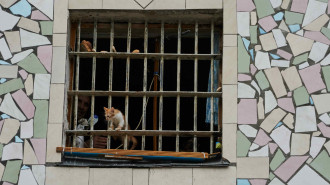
261 110
29 39
2 169
253 147
29 155
29 85
299 6
324 129
9 107
278 16
24 103
293 18
247 111
243 145
244 77
276 181
280 63
261 31
253 18
18 140
270 101
317 36
257 47
20 56
4 63
318 23
318 51
246 43
300 32
262 60
274 56
39 146
300 59
262 138
45 6
46 27
39 172
243 23
326 32
272 147
286 104
279 38
255 85
264 8
253 69
4 49
7 20
32 64
312 79
322 103
267 23
12 151
317 133
11 85
22 8
288 120
7 183
245 5
300 144
327 147
248 131
13 40
316 146
271 176
299 44
275 79
321 164
295 28
41 86
40 119
307 176
267 41
26 177
243 182
284 54
278 159
8 71
245 91
263 152
305 119
283 26
26 130
29 25
272 119
11 171
314 10
23 74
281 136
243 57
326 75
285 4
7 3
325 118
325 61
262 80
289 167
300 96
37 15
276 3
291 78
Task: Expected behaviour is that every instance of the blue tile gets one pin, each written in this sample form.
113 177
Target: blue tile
4 63
2 80
243 182
25 167
262 31
22 8
252 54
294 28
274 56
18 140
279 124
4 116
278 16
311 100
246 43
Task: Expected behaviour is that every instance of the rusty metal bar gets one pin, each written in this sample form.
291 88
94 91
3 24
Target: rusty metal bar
147 93
129 34
195 85
161 87
212 85
178 76
145 82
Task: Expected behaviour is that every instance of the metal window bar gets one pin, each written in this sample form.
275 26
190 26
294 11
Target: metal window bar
212 85
145 81
195 85
178 76
161 86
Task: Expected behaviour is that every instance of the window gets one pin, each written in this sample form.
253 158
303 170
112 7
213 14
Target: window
153 66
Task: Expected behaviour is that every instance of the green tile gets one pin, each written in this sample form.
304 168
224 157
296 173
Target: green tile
243 145
243 57
1 148
326 32
322 164
293 18
46 27
264 8
11 85
40 119
11 171
262 80
301 96
271 176
253 34
32 64
277 160
326 75
300 59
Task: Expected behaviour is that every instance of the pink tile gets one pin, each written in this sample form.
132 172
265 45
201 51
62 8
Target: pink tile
45 54
289 94
247 111
258 181
329 7
245 5
286 104
262 138
289 167
312 79
244 77
24 102
7 183
324 129
272 147
317 36
299 6
23 73
37 15
284 54
267 23
39 146
253 69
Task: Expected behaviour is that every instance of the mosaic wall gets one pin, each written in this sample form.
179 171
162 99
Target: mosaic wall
284 89
26 30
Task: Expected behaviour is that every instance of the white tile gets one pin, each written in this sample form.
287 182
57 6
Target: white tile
61 13
260 167
327 146
314 10
280 63
292 78
243 23
28 84
7 3
248 131
317 133
262 60
229 94
253 147
270 101
203 4
4 49
272 119
26 177
305 119
9 107
29 25
255 85
281 136
300 144
229 68
20 56
283 26
318 51
140 176
221 176
86 4
229 40
303 65
167 4
275 79
318 23
29 155
229 17
307 176
39 172
276 181
263 152
45 6
98 176
26 129
178 176
124 4
12 151
58 64
29 39
253 18
261 109
56 103
245 91
289 120
299 44
279 38
322 103
229 141
67 174
267 41
59 40
14 41
54 139
8 71
276 3
325 119
41 86
7 20
316 146
9 130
